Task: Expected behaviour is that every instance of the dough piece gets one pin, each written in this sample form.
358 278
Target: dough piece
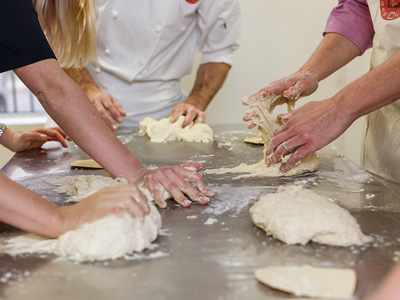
267 124
310 281
111 237
296 216
107 238
254 140
164 131
86 163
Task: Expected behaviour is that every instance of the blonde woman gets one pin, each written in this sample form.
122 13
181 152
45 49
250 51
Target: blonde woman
69 26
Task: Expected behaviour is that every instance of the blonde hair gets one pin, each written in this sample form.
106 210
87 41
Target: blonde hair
70 28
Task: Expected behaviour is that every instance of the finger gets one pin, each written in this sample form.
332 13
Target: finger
138 195
174 115
104 114
54 135
296 157
119 107
200 118
283 118
173 185
249 115
184 186
190 116
110 107
153 186
294 92
197 180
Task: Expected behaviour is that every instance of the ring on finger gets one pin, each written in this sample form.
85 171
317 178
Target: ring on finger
284 146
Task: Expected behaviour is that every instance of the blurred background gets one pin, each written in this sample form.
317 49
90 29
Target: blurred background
277 37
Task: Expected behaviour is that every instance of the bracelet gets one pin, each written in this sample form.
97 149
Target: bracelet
2 128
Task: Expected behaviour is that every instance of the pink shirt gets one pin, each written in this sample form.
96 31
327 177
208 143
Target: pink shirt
351 18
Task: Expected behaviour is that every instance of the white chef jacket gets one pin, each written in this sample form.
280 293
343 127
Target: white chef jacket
381 151
146 46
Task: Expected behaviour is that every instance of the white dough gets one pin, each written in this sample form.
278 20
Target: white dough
310 281
107 238
164 131
296 216
267 123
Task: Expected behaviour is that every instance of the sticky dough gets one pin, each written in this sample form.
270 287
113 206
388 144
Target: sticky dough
267 123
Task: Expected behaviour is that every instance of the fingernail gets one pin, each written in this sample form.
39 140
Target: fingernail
43 136
115 126
186 202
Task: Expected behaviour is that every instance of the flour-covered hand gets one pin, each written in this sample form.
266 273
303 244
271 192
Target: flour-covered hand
181 182
192 114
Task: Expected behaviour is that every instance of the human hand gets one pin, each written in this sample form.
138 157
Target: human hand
118 200
110 110
177 180
306 130
192 114
36 138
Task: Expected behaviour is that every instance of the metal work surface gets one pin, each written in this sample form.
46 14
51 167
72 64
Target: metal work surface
193 260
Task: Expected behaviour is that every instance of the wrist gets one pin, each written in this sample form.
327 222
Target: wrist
7 139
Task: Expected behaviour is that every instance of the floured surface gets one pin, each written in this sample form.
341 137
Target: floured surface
107 238
267 123
310 281
297 216
164 131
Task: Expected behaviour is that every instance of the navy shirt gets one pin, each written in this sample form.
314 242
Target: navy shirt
22 41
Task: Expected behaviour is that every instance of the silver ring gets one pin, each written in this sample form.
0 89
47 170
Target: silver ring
284 146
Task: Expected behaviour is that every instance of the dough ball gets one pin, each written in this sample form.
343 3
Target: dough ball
296 216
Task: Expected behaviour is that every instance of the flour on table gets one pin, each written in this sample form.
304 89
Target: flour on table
164 131
267 123
332 283
296 216
108 238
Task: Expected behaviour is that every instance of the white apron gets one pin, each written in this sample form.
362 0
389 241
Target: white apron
381 149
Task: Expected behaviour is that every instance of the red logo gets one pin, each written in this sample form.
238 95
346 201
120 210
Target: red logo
390 9
192 1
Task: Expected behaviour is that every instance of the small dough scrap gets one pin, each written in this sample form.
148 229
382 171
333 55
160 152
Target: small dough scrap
295 215
254 140
164 131
332 283
86 163
267 124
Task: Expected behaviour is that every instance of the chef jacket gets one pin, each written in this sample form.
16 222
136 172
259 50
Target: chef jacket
380 22
146 47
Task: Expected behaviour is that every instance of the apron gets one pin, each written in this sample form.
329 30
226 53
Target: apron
381 147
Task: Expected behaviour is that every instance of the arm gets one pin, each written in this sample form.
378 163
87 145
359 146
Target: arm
68 105
110 110
24 209
209 79
316 124
32 139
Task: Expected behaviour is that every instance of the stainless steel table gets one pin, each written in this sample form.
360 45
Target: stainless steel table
204 261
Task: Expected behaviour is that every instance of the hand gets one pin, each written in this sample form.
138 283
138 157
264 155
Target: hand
109 109
36 138
177 181
192 114
299 84
306 130
118 200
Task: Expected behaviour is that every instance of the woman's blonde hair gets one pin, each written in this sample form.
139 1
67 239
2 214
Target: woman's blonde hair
70 28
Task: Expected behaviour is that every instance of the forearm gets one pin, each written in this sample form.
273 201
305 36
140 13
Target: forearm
6 139
84 80
24 209
69 107
332 53
209 79
372 91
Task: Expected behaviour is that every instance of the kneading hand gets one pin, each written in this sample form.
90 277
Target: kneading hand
109 109
118 200
192 114
36 138
178 181
306 130
302 83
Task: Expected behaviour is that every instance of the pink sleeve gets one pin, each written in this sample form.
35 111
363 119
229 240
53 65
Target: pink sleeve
351 18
